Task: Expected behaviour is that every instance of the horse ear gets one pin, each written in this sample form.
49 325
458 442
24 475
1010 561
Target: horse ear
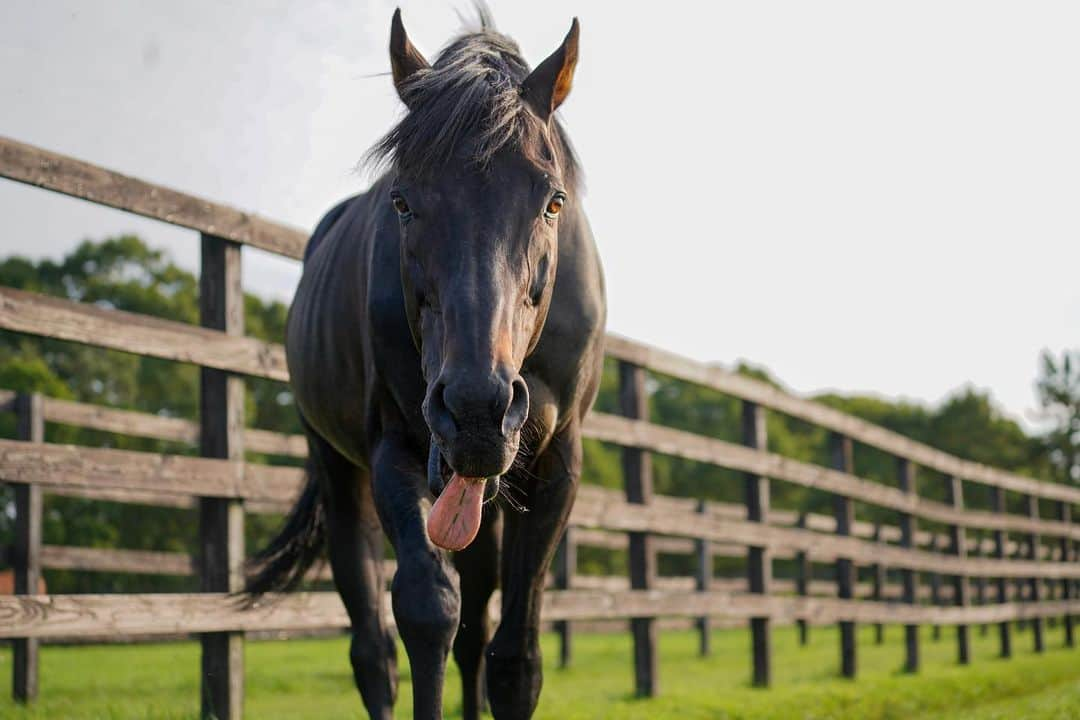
549 84
405 59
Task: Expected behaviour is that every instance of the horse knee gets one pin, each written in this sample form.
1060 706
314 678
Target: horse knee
427 606
513 684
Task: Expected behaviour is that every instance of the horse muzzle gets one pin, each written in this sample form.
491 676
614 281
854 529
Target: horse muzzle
475 420
439 475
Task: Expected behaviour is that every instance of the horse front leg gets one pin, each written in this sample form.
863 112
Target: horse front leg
478 569
514 670
424 590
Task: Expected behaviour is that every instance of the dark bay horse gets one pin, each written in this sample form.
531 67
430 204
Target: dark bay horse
446 341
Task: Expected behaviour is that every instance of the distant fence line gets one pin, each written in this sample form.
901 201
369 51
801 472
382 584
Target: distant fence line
1020 567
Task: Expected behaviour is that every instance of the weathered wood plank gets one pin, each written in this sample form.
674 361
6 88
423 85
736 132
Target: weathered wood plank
95 470
821 588
146 562
615 429
50 616
45 316
68 176
640 434
35 166
600 508
121 422
164 613
72 466
133 497
62 557
274 443
158 427
745 388
821 523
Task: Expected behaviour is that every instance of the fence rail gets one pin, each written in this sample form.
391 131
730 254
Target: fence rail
1022 566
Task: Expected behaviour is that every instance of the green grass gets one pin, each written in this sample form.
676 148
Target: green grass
310 679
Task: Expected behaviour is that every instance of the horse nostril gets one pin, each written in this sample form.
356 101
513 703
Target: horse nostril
518 409
439 416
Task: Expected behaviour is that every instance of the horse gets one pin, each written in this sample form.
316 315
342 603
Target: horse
446 342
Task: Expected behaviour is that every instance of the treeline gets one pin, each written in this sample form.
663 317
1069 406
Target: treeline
125 274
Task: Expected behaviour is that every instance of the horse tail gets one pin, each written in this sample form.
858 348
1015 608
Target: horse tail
281 565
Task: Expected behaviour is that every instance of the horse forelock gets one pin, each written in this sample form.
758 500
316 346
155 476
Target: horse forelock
468 105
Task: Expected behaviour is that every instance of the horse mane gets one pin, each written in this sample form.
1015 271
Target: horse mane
469 104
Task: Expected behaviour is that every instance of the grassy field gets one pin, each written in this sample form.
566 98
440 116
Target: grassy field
310 679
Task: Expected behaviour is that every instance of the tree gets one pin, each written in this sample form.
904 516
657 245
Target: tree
1058 390
125 274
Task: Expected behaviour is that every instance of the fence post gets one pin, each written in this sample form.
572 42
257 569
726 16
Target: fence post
958 547
565 568
1021 551
980 581
703 551
1075 581
804 575
1064 513
1004 627
844 509
638 482
221 520
26 548
758 557
877 587
1049 585
909 578
935 585
1034 545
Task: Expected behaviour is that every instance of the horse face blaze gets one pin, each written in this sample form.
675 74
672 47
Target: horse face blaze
477 266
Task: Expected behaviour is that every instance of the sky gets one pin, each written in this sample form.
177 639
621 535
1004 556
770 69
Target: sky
876 198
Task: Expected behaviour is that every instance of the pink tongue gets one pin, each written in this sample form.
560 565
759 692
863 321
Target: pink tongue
455 517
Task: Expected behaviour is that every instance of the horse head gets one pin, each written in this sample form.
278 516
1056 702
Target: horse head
482 173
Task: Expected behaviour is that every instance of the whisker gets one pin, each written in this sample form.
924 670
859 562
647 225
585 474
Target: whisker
507 490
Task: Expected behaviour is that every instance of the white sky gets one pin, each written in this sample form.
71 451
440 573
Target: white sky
860 196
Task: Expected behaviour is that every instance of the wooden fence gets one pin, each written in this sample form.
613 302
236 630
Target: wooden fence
1021 567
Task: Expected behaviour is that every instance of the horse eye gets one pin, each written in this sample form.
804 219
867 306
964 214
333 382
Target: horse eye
554 205
400 205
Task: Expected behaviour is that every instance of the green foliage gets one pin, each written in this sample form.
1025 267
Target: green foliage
123 273
1058 388
966 424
